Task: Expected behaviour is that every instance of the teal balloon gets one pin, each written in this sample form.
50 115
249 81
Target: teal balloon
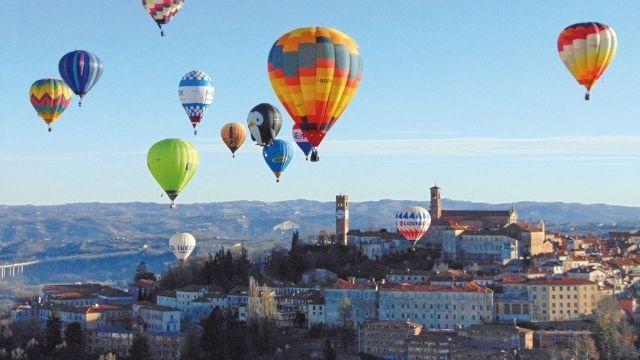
278 155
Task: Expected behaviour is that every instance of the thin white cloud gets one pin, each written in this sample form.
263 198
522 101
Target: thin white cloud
574 148
591 147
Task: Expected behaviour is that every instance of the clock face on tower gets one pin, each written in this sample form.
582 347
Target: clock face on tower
340 214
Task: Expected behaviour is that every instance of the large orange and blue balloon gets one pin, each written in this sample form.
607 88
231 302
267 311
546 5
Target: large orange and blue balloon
301 141
413 222
315 72
80 70
196 95
278 155
50 97
161 11
587 49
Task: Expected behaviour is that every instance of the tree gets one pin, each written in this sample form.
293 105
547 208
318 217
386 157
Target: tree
345 312
142 273
73 335
139 349
295 243
53 334
329 352
213 335
192 345
614 335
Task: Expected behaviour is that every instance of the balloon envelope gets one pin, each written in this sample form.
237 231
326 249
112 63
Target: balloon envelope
413 222
301 140
81 70
587 49
315 72
233 135
264 122
50 97
173 162
196 94
182 245
278 155
161 11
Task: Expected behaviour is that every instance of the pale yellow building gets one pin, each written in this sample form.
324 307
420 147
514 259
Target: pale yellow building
559 299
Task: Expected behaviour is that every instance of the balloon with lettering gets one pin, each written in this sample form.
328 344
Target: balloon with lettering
278 155
196 94
315 72
173 162
301 141
587 49
81 70
233 135
413 222
161 11
50 97
182 245
264 122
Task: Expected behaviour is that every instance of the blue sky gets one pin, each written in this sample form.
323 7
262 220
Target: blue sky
469 94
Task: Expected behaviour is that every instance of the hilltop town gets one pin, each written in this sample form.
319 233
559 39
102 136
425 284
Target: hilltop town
479 285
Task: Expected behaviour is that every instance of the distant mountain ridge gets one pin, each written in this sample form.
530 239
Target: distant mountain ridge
104 242
40 232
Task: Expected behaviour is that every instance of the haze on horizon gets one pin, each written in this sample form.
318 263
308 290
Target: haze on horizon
470 96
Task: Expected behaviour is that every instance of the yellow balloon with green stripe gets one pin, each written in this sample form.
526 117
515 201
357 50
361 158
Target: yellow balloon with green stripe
173 162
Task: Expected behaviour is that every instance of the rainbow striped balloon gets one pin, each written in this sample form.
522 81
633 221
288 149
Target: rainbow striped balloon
162 10
50 97
587 49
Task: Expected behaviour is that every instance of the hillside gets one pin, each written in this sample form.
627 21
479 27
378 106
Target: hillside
85 231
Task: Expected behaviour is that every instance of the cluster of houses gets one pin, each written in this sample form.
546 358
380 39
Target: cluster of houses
512 273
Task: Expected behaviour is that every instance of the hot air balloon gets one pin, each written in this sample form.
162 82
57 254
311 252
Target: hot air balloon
315 72
80 70
413 222
50 97
587 49
278 155
173 162
162 10
233 135
301 141
182 245
196 94
264 122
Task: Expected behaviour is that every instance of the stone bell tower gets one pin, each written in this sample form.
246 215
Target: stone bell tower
435 209
342 219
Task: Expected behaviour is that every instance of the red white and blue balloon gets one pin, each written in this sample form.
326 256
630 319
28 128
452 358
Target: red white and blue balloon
413 222
196 95
301 140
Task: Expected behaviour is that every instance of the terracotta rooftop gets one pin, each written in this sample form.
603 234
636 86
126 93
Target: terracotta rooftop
561 281
471 287
343 284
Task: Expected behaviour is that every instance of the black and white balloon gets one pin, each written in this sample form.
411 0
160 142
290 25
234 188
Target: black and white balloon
264 123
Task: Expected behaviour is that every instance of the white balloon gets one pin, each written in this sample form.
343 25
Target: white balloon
182 245
413 222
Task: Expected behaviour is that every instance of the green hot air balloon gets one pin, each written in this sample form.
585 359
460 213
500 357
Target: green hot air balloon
172 163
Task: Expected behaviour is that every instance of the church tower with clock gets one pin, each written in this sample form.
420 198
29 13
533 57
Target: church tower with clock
342 219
